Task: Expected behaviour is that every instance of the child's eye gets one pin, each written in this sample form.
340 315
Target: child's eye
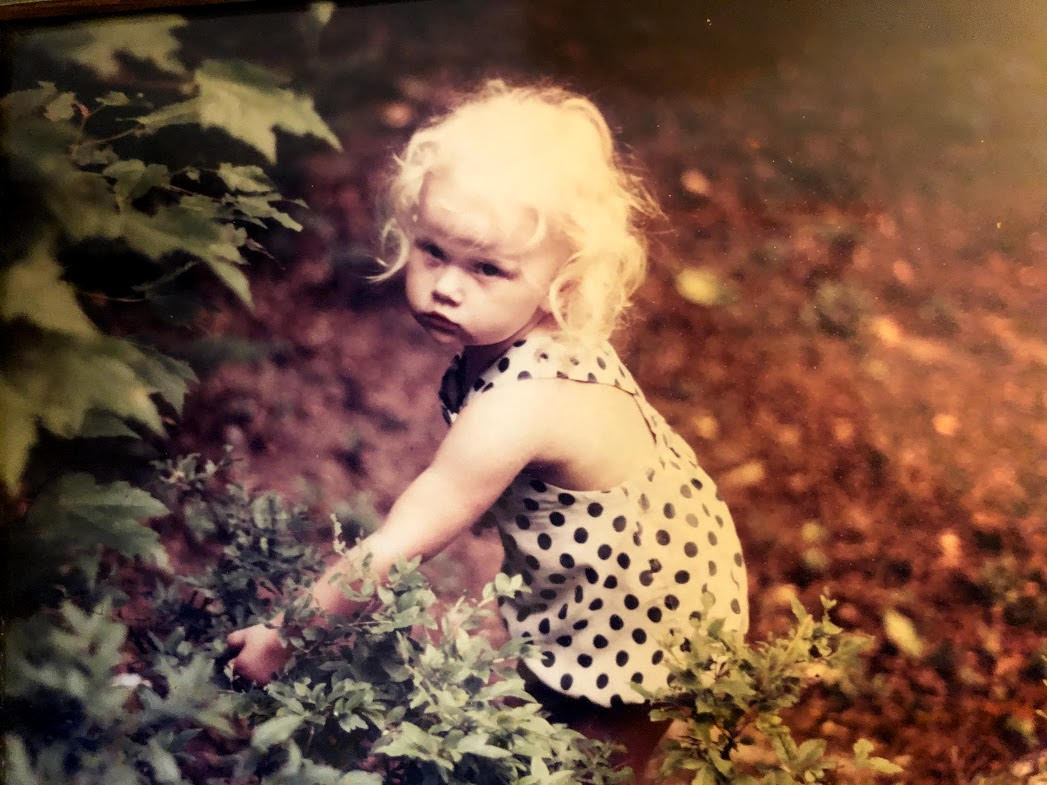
489 270
429 248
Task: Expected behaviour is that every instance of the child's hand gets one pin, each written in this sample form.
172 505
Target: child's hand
261 654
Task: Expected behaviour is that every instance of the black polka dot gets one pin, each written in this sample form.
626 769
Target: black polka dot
672 602
539 486
581 624
543 626
599 642
578 594
690 549
580 535
601 681
556 518
523 521
565 499
736 606
654 614
575 361
596 604
566 681
719 521
591 377
645 503
669 510
478 383
566 561
532 562
530 504
544 541
487 387
646 578
712 568
650 475
621 658
519 343
548 659
503 364
637 678
695 616
657 657
564 640
616 701
562 613
602 363
522 614
712 538
557 578
682 576
738 559
636 539
595 509
685 491
585 660
623 560
610 582
631 602
523 375
619 523
639 635
696 483
604 551
662 537
656 566
591 575
616 622
528 578
547 594
692 519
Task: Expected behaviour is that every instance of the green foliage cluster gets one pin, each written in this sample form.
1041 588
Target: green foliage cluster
88 188
730 696
385 696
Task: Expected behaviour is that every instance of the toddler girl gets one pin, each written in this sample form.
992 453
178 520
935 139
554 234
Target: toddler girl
516 230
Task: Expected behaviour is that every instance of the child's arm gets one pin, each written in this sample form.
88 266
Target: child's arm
491 441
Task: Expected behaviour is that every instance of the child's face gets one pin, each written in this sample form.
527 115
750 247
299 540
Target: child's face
470 293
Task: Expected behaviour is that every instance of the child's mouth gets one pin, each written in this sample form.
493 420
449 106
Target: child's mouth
435 321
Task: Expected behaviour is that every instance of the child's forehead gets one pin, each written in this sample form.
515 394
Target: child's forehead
471 211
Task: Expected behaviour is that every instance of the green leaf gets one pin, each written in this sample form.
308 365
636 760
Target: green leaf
233 277
74 511
62 378
275 731
245 179
248 103
361 778
97 43
33 289
17 434
133 178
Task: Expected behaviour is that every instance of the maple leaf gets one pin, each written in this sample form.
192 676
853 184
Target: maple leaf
96 44
248 103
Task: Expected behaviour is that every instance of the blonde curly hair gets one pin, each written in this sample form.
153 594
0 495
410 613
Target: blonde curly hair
548 152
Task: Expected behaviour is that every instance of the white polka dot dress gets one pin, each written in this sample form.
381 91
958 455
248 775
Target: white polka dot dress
610 571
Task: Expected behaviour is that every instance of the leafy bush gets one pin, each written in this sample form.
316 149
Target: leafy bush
387 695
728 695
100 212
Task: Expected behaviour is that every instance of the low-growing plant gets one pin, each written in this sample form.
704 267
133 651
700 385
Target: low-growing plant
728 695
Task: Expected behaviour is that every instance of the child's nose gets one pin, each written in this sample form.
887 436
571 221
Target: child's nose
448 285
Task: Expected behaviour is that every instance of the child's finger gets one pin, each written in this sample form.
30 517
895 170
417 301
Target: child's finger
236 639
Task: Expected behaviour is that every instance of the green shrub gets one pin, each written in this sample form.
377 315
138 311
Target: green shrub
729 695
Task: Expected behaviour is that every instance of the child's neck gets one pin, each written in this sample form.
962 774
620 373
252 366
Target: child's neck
477 358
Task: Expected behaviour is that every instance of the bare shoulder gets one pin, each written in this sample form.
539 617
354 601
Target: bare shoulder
569 433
